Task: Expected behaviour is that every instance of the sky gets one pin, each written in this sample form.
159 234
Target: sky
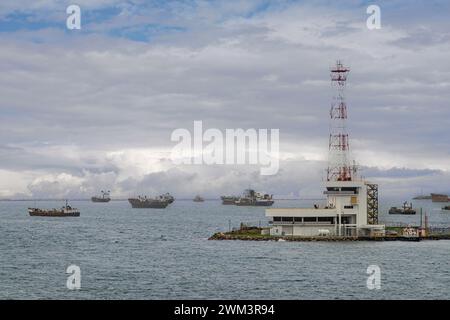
93 109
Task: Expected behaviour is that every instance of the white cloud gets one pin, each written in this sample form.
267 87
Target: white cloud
77 108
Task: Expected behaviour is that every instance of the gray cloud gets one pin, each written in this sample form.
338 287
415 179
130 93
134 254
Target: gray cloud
89 105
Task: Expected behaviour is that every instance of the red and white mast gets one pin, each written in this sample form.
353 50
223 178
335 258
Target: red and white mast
339 167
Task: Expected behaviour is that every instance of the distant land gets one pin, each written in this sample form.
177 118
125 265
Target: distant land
422 197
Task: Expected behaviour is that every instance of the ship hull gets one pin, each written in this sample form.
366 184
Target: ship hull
439 197
147 204
401 211
255 204
95 199
229 200
52 213
264 203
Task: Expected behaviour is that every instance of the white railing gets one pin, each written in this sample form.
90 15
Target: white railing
302 223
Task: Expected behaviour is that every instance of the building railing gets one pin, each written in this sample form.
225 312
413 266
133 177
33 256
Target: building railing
302 223
336 192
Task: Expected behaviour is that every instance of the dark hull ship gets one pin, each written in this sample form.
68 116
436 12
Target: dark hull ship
103 198
198 199
66 211
405 209
252 198
144 203
229 200
439 197
255 199
97 199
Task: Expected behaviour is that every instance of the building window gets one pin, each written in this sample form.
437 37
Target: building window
297 219
326 219
276 218
345 220
287 219
310 219
353 189
348 207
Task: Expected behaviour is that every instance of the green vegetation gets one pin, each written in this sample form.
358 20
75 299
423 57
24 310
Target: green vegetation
399 230
244 233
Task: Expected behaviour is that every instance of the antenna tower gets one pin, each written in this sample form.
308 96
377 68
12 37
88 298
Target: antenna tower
339 167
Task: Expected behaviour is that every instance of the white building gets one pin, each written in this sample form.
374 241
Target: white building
351 210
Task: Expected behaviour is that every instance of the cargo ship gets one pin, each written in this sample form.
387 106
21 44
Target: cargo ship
439 197
65 211
252 198
198 199
103 198
405 209
229 200
142 202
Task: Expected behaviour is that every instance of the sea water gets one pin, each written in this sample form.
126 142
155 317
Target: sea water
126 253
